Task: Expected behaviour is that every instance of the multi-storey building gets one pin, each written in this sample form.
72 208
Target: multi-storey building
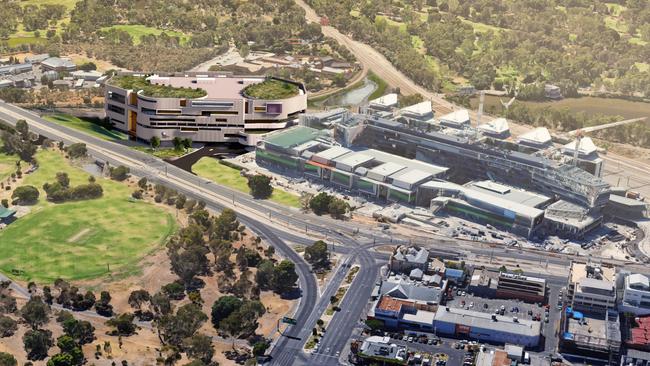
516 286
636 294
203 107
591 288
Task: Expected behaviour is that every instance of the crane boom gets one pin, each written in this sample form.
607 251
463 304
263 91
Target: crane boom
604 126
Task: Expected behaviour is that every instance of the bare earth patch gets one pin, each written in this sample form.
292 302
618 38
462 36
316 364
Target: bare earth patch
79 235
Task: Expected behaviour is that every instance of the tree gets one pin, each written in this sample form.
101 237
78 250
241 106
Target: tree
319 204
80 330
174 290
142 183
68 346
103 306
22 128
7 359
223 307
139 297
178 143
122 324
63 179
284 276
259 348
77 150
317 255
35 312
260 186
119 173
61 359
184 324
8 326
180 201
337 208
155 142
25 195
199 347
37 343
161 304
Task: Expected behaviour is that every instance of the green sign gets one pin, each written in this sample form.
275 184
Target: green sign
288 320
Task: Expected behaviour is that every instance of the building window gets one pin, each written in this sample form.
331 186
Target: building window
260 109
114 108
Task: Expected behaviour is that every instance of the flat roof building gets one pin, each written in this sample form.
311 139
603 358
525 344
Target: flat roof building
205 107
385 103
487 327
636 294
538 138
591 288
307 152
516 286
58 64
497 128
380 349
456 119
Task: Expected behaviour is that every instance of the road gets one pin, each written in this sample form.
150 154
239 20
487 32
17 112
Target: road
260 218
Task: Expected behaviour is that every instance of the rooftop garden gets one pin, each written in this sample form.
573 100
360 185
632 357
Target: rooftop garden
153 90
271 89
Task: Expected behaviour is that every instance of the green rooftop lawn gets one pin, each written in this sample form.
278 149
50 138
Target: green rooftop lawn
161 152
211 169
87 127
157 91
84 239
271 89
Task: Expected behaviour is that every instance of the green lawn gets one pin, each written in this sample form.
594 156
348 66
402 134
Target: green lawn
271 89
138 30
17 41
87 127
382 85
211 169
154 90
81 240
161 152
7 165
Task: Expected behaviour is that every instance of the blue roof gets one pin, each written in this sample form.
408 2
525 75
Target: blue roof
456 273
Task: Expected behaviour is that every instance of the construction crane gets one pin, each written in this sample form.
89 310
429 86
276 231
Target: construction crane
580 133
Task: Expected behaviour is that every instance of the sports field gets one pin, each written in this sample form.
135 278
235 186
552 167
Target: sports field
138 30
81 240
211 169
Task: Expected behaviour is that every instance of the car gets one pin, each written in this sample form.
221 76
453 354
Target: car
559 307
338 353
459 293
327 350
485 306
430 341
471 304
410 339
405 338
546 319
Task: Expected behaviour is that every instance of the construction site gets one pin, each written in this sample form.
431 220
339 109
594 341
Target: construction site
532 184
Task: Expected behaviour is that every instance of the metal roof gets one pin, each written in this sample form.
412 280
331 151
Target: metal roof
292 137
538 136
459 117
475 319
388 100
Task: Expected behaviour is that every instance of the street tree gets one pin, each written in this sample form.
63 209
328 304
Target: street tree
260 186
317 255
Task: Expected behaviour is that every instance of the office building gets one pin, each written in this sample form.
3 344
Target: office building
636 294
207 107
379 349
58 64
516 286
591 288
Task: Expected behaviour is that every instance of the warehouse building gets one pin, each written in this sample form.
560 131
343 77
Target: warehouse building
379 349
487 327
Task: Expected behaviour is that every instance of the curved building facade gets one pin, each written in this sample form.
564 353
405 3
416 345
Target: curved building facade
205 108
